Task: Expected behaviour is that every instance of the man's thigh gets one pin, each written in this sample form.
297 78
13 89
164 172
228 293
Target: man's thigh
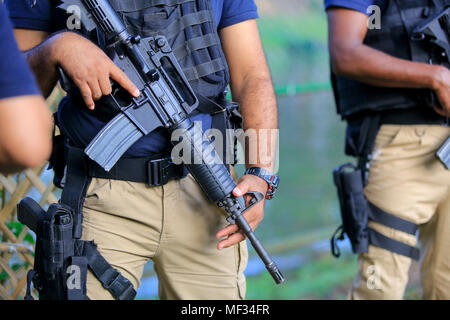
435 244
188 264
408 181
124 219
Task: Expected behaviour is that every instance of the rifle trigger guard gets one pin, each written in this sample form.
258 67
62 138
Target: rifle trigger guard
256 197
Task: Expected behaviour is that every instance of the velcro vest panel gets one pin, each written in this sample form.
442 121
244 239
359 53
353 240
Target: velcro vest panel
191 31
398 20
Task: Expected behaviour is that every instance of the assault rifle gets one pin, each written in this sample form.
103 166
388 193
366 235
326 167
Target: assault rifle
436 30
166 100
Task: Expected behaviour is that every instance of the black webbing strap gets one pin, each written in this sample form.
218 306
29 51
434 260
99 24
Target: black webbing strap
154 171
379 240
195 44
389 220
75 186
74 192
219 118
187 20
76 283
135 5
204 69
30 276
111 279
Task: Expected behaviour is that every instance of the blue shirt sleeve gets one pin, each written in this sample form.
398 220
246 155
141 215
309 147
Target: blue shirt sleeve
358 5
28 15
235 11
16 79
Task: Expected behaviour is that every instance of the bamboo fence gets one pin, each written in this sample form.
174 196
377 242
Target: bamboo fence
16 240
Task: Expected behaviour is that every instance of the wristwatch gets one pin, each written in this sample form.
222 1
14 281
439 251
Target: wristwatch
272 179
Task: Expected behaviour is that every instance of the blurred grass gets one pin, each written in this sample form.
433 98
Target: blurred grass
311 145
318 279
311 134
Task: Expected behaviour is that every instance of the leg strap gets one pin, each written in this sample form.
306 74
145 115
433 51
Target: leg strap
74 192
389 220
111 279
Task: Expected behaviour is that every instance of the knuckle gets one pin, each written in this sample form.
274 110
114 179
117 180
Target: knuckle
107 91
80 76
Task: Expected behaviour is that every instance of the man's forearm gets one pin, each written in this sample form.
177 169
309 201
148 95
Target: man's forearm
43 65
377 68
259 110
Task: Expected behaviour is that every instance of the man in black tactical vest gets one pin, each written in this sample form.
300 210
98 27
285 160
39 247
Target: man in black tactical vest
134 213
392 86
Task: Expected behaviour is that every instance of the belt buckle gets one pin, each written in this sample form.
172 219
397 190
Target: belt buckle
157 172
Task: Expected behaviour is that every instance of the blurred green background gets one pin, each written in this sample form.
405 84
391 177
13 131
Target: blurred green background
300 220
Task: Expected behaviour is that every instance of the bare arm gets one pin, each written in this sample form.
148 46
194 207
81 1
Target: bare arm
90 72
25 133
251 83
251 86
352 58
39 57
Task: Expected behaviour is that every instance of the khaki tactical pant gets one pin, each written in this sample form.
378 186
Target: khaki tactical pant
407 180
175 226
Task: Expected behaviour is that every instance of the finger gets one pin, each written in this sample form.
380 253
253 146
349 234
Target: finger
105 85
95 90
241 189
225 232
233 239
86 93
442 112
122 79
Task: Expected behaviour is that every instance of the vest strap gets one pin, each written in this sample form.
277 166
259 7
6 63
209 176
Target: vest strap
195 44
135 5
187 20
204 69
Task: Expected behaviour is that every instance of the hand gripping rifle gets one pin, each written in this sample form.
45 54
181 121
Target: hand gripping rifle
166 100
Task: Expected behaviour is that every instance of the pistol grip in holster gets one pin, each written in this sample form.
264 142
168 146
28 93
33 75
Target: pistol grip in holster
54 246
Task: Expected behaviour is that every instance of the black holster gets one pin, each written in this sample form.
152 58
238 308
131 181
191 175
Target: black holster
61 258
59 272
356 211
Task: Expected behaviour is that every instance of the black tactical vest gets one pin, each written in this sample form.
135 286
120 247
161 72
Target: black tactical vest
398 20
191 31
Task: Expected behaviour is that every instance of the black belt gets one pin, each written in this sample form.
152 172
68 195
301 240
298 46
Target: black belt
154 172
413 116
